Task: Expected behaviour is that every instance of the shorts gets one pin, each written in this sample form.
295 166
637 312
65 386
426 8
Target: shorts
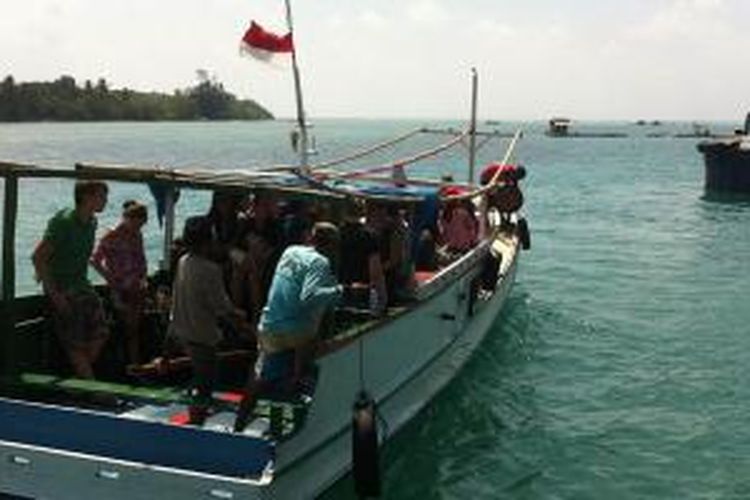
126 300
84 322
284 342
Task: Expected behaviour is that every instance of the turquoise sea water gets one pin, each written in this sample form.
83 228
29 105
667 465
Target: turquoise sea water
618 368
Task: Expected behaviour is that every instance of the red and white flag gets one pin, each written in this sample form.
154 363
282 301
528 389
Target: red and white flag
262 44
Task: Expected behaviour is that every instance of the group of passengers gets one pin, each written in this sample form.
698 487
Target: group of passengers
259 267
61 261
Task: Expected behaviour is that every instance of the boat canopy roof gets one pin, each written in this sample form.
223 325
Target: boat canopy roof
287 182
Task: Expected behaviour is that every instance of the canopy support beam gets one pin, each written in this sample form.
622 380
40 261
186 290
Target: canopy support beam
7 304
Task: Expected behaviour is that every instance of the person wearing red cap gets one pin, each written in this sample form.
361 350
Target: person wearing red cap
507 197
509 174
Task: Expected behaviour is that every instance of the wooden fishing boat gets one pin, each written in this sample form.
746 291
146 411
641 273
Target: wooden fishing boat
127 434
120 438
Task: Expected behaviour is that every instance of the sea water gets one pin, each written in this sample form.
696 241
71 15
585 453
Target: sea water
618 368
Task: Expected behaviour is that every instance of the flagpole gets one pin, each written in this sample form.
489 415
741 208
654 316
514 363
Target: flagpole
298 91
473 125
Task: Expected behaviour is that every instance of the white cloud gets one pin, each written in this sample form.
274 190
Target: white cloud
429 12
372 19
493 28
683 18
708 4
407 57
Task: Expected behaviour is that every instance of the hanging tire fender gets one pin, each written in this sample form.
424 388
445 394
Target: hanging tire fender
524 235
365 459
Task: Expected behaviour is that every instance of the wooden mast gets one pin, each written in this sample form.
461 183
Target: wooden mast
473 125
301 123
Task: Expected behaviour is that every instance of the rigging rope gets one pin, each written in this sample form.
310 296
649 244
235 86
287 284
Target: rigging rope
402 162
364 152
318 180
361 365
353 156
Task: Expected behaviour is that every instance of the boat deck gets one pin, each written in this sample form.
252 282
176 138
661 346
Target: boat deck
276 416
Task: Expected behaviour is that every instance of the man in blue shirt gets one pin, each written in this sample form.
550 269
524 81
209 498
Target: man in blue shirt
303 287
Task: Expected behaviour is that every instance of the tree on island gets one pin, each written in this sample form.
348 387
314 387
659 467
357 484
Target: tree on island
64 100
210 98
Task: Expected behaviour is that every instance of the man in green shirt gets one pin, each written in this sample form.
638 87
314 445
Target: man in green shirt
61 262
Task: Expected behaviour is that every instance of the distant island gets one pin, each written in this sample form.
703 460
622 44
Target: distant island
64 100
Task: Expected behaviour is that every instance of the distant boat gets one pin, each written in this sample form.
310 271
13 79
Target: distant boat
560 127
313 149
294 138
727 162
699 130
653 123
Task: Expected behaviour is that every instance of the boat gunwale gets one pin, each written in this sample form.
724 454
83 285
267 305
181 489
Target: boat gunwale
265 478
441 280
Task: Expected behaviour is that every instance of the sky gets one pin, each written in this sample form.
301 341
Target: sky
583 59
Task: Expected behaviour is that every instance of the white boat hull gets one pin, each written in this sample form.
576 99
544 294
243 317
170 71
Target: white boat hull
405 363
